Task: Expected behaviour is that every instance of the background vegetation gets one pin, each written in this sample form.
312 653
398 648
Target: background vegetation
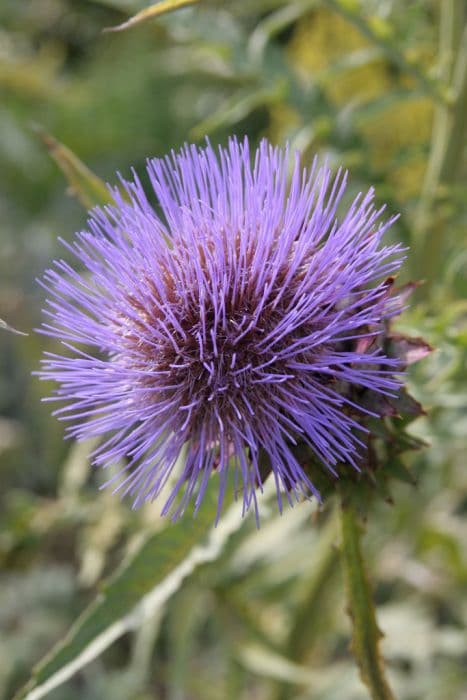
379 87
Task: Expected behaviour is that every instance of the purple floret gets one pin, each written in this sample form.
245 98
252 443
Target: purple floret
217 329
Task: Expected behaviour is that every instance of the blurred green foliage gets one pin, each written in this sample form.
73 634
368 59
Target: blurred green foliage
369 84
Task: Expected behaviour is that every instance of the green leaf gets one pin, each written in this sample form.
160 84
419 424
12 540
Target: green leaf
398 470
262 661
238 107
84 184
150 12
143 585
313 616
275 23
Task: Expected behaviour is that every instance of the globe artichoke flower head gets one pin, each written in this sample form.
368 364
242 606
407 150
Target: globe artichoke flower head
229 326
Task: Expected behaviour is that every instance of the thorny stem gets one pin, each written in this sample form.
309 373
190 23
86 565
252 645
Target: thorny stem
365 633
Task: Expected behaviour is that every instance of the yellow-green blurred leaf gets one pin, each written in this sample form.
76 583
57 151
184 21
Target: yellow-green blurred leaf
83 183
150 12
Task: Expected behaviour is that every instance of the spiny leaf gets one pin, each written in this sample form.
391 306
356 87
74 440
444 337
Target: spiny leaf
406 405
409 350
404 293
143 585
150 12
84 184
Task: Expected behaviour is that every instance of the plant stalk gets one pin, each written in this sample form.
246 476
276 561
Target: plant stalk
448 137
365 632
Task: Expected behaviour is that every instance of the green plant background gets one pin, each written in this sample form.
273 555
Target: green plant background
374 86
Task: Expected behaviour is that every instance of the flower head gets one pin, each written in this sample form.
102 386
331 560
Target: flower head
231 321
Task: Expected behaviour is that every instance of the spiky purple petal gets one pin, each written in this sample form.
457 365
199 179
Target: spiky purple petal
227 325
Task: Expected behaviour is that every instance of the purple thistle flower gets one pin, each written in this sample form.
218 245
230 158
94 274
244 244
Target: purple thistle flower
228 325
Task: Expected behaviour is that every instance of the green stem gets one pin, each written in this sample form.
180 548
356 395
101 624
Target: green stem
448 134
365 634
